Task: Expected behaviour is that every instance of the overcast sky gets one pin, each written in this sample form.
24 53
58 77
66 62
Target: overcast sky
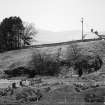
57 15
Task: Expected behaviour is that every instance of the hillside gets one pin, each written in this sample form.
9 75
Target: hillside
22 57
71 90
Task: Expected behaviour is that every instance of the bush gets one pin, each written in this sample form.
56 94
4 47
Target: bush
43 65
83 63
87 64
19 71
91 97
28 94
73 52
40 65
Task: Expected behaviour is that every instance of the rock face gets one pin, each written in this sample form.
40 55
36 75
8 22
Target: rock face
87 64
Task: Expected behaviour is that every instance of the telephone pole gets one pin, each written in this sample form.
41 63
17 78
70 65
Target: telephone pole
82 27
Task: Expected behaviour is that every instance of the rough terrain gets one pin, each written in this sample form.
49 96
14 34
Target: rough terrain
65 90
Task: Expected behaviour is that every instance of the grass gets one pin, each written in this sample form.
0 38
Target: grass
62 95
22 57
65 95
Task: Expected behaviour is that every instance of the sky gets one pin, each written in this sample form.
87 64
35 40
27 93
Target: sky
57 15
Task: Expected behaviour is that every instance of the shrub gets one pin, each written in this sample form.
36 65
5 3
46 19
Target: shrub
43 65
87 64
40 65
19 71
73 52
28 94
83 63
91 97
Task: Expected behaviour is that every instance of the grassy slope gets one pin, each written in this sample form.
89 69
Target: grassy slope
22 57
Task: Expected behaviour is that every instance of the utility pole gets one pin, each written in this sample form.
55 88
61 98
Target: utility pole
82 27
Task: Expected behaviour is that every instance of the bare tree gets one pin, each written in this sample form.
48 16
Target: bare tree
73 51
29 33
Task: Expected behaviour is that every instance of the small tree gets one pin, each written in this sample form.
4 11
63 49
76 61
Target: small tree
44 65
83 63
73 52
29 33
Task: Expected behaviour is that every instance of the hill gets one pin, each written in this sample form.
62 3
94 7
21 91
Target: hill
54 90
22 57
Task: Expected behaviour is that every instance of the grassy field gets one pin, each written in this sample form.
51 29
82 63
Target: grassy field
22 57
62 90
65 95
